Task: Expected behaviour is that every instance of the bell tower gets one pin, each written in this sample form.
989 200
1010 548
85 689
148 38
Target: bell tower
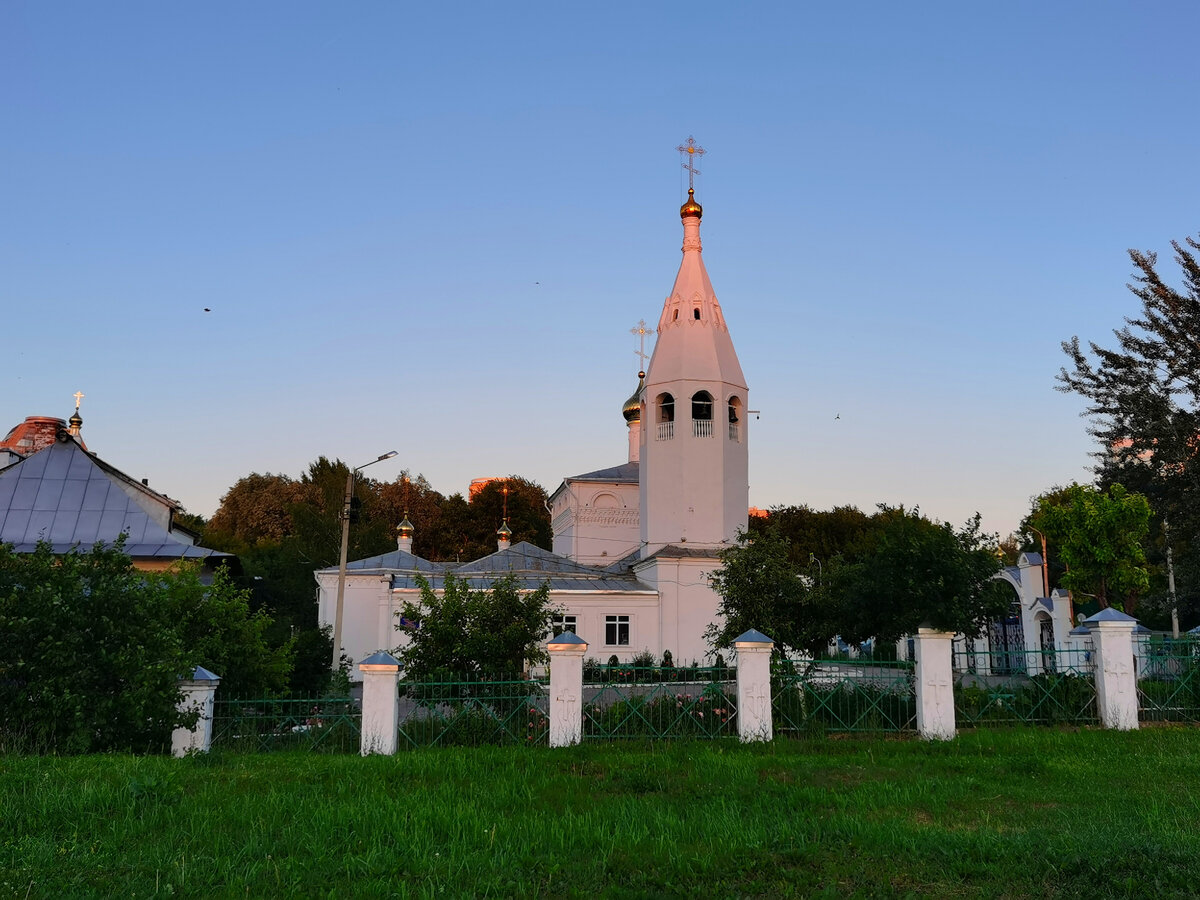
694 468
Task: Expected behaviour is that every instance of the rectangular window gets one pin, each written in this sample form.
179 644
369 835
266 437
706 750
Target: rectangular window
616 631
559 624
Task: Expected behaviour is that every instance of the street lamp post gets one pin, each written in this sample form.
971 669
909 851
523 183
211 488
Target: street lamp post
341 592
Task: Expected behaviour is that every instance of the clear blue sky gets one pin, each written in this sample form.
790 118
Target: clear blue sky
430 227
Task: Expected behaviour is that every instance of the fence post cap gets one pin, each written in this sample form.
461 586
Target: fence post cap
1110 616
568 640
751 637
202 674
381 661
927 630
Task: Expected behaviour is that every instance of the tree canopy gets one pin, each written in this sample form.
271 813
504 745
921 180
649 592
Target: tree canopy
1099 536
467 632
93 648
895 572
761 587
1143 399
913 572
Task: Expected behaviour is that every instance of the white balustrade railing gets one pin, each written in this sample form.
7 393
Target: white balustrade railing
666 431
733 431
702 428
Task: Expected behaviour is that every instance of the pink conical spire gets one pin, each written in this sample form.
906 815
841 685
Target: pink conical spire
693 340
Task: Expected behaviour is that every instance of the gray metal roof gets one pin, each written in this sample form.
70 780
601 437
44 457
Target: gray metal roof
530 565
64 496
525 557
674 551
626 473
396 559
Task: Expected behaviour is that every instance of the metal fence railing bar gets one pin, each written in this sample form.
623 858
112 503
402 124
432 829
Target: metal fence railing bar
1032 687
843 695
474 712
624 702
323 724
1168 671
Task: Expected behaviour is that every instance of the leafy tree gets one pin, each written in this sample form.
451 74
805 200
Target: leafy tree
412 496
914 572
216 625
257 509
760 587
527 515
818 534
93 648
1099 537
1143 397
476 632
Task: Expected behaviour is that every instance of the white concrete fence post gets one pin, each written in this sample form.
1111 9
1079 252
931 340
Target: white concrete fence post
566 688
755 721
1116 679
935 684
198 692
380 731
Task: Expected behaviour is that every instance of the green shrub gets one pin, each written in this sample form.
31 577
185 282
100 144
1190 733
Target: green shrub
93 648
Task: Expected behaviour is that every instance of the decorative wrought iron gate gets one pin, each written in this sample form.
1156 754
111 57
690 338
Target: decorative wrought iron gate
1007 643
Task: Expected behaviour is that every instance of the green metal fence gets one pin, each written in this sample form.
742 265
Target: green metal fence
842 695
1032 687
322 724
465 712
621 702
1168 679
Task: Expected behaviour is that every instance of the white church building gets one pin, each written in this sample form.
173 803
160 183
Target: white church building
634 544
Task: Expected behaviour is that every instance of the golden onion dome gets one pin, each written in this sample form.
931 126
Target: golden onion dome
504 531
405 528
632 410
691 208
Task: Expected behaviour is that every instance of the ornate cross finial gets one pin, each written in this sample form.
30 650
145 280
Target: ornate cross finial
78 395
693 151
641 331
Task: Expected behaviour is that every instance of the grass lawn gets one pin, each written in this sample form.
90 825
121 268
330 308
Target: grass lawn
1021 813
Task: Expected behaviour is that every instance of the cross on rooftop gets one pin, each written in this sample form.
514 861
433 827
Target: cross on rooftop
693 151
78 395
641 331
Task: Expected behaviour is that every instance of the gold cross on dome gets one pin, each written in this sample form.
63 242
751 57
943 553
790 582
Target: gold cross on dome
78 395
641 331
693 151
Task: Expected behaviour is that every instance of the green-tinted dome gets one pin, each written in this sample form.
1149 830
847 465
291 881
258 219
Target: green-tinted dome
632 410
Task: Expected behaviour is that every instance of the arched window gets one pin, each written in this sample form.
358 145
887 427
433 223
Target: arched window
696 314
666 408
665 424
735 416
702 413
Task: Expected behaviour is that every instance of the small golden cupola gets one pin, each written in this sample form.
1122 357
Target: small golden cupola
632 410
404 534
691 209
76 420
